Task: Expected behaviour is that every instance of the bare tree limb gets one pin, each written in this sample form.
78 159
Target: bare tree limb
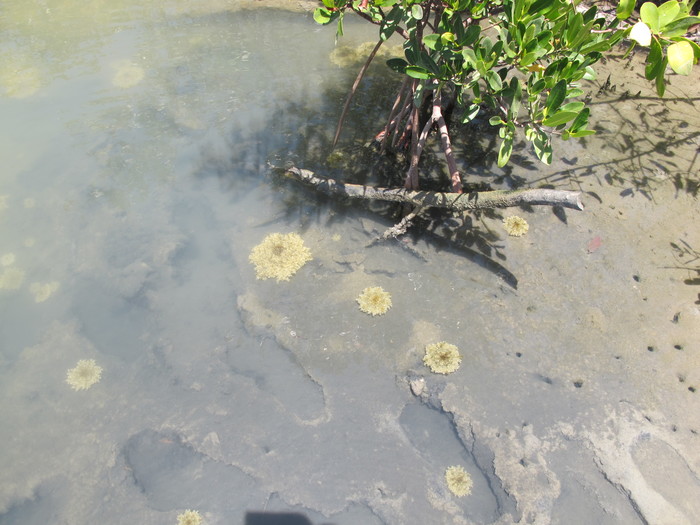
476 200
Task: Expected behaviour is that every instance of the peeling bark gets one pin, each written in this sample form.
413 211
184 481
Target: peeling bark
476 200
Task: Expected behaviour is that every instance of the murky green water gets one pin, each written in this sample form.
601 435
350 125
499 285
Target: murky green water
135 181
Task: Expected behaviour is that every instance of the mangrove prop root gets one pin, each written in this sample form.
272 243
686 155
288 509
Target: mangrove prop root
476 200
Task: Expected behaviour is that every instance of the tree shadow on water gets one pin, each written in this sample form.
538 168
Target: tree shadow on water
358 161
300 131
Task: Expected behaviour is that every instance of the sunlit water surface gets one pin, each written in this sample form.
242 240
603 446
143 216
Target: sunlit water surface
135 181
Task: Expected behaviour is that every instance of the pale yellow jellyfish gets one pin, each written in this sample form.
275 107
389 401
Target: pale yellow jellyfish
11 278
42 292
19 81
279 256
8 259
374 300
189 517
442 357
515 226
85 374
127 74
458 481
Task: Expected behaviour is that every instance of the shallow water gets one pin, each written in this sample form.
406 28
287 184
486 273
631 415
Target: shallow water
136 143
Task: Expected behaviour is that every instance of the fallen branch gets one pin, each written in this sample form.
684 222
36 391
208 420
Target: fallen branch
476 200
401 227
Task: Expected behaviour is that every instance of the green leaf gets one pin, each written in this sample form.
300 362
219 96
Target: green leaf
447 38
595 47
322 16
580 121
582 133
390 23
575 26
471 112
470 35
505 151
660 81
427 62
556 97
417 12
431 40
696 48
655 63
339 31
543 148
494 80
650 16
668 12
641 34
590 74
680 57
397 64
573 106
417 72
559 118
517 89
680 26
538 6
537 87
496 120
516 10
470 57
625 8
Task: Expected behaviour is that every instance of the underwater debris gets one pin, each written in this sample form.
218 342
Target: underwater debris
85 374
11 278
374 300
442 357
279 256
458 481
515 226
42 292
189 517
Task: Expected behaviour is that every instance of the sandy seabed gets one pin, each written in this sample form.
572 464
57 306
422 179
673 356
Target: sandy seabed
575 401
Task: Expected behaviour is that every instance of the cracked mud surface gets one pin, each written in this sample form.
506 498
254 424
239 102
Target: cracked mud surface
575 402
